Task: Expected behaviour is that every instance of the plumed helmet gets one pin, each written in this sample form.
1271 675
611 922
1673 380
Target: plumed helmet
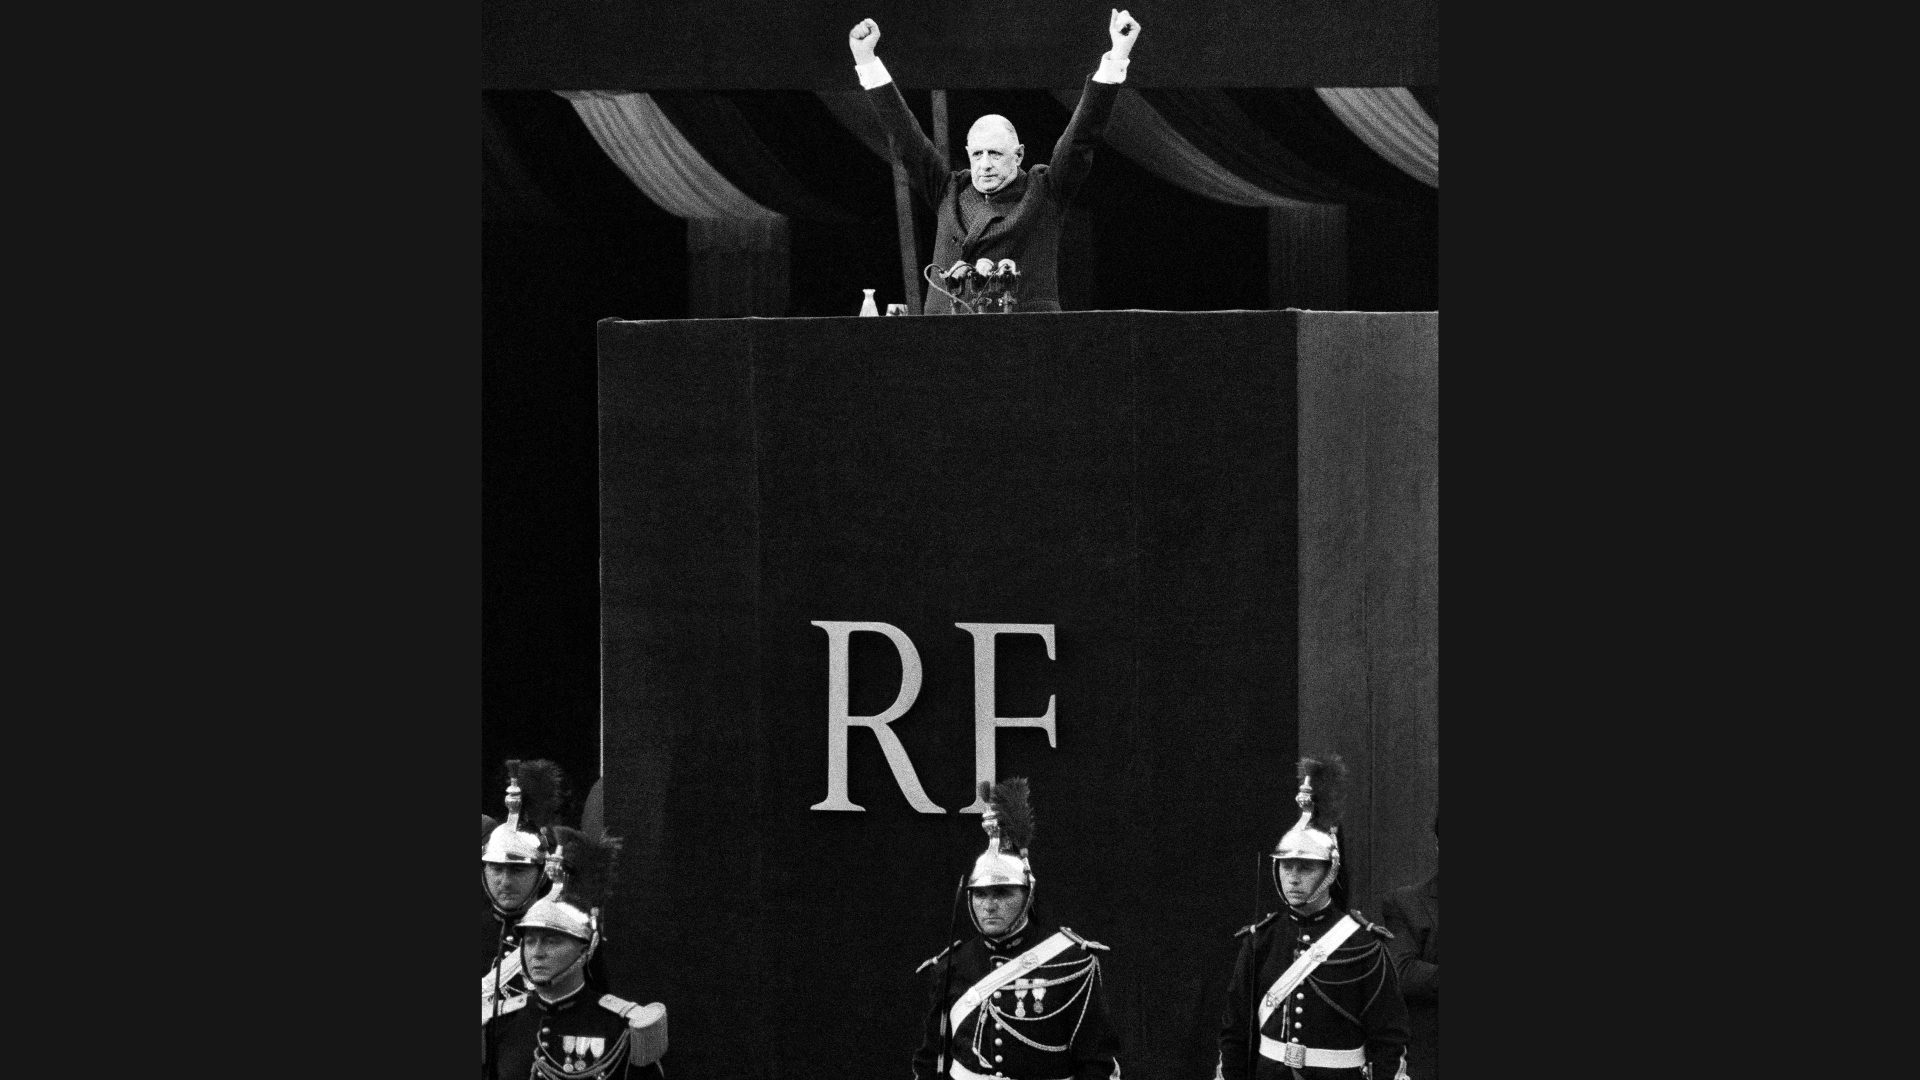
1008 822
1316 835
581 867
534 791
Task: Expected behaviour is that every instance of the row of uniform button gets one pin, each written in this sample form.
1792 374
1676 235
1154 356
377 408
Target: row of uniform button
997 961
1299 996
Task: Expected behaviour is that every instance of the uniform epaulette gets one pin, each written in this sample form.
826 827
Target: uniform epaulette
647 1028
935 958
1251 927
1083 942
1373 926
637 1015
487 1011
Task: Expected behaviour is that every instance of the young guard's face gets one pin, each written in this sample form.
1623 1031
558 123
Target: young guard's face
1300 878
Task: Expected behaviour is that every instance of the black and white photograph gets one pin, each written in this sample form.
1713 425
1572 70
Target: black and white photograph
959 509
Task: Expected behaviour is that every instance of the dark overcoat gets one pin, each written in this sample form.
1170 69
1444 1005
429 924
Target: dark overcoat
1025 216
1412 912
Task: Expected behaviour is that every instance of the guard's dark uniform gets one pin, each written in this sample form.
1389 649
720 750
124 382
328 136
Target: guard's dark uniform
1050 1024
589 1035
1352 1000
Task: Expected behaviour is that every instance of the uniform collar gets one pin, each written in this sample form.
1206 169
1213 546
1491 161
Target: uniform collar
1014 941
1318 918
563 1004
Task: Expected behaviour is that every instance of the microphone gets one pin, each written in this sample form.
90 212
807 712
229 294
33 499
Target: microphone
1003 279
983 285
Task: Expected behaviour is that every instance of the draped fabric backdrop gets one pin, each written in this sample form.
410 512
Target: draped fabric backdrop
1306 224
1200 140
737 249
1391 120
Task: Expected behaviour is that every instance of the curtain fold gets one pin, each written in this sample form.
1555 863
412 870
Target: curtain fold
1215 125
737 269
1306 223
1429 99
1390 120
1145 136
738 250
1298 118
659 160
1307 257
715 124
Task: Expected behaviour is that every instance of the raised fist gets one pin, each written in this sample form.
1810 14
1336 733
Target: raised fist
862 39
1124 31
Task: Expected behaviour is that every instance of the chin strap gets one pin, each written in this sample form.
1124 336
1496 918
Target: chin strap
1017 926
579 965
1026 909
1324 892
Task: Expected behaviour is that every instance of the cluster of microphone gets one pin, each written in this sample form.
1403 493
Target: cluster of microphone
983 287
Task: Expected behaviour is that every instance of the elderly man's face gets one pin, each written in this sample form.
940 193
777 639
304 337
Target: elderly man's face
993 152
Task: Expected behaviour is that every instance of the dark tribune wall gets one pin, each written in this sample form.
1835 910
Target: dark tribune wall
1124 480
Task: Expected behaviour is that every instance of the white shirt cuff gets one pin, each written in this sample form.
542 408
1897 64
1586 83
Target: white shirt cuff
872 74
1112 68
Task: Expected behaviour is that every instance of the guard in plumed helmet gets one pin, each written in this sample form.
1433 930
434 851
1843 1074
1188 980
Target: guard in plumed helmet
1022 998
1313 995
567 1025
513 858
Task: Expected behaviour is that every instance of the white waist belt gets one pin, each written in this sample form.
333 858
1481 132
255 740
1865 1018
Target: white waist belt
961 1072
1275 1050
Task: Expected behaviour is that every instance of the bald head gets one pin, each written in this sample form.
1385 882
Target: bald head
989 125
993 152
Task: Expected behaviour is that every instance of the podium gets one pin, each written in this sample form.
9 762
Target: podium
1195 544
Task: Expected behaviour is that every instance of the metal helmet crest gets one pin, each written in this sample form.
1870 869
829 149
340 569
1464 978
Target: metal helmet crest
582 869
533 800
1316 835
1008 822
